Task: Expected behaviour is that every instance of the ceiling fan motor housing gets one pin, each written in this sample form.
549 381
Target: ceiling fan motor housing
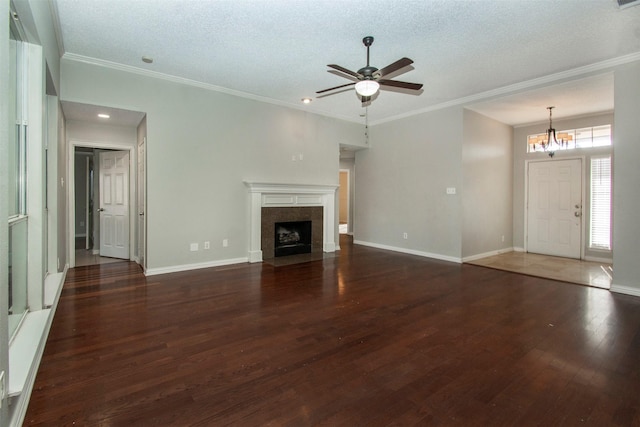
368 72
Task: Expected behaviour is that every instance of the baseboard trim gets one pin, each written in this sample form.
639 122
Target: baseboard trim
409 251
187 267
627 290
487 254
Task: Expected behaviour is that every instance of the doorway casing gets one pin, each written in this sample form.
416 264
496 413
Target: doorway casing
71 196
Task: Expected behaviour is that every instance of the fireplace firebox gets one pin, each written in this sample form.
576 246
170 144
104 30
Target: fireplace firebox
292 238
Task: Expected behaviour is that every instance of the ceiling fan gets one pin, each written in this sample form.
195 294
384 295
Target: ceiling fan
369 79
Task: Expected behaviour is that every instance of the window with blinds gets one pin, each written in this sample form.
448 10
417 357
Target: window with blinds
600 221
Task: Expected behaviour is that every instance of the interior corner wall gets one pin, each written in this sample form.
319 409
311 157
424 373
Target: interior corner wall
201 147
37 19
487 185
401 184
626 177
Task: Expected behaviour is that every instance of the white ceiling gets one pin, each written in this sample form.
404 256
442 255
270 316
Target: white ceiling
278 50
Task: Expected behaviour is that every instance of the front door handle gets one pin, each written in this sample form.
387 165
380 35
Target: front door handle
100 209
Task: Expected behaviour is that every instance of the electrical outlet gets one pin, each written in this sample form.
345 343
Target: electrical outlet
194 247
225 243
405 236
451 190
207 245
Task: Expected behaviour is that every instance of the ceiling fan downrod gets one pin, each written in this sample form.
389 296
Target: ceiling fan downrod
368 70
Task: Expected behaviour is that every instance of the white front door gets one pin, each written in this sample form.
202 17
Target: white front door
114 204
554 208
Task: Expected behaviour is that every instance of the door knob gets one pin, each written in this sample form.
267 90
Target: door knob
141 214
100 209
577 214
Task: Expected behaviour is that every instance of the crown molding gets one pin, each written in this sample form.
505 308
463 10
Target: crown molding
189 82
517 87
481 96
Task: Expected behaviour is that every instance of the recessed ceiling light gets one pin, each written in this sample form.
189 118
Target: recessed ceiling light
306 100
147 59
104 116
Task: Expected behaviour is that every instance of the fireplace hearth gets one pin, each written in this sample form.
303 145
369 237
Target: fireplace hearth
292 238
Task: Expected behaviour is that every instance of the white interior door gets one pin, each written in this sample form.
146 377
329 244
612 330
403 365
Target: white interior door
114 204
141 204
554 208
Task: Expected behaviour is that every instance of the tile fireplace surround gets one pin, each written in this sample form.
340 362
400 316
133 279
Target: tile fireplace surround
290 195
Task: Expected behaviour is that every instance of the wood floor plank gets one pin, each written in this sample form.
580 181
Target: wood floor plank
368 337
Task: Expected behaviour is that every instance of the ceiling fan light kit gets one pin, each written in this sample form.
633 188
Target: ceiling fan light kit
369 79
367 87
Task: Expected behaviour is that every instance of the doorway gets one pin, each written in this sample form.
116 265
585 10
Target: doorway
554 208
92 223
343 202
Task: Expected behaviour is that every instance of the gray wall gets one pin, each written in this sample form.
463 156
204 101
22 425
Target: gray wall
626 195
487 185
201 146
401 183
521 156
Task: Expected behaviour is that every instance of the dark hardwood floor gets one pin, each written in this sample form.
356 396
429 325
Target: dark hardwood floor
367 338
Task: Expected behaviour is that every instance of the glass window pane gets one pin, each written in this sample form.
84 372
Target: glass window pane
14 140
17 273
600 221
599 136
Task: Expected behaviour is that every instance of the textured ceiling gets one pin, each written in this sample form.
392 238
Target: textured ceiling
278 50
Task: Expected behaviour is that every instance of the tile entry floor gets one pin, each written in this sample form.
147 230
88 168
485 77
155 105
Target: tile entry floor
587 273
87 257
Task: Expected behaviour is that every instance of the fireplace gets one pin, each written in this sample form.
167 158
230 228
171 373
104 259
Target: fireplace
292 238
303 223
270 203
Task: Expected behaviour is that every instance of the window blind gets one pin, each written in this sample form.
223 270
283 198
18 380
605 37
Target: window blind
600 221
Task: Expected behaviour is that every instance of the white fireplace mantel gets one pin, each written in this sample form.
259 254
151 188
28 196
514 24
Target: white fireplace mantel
289 195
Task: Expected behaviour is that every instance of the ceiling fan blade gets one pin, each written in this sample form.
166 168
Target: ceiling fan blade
343 75
344 70
403 85
400 63
336 87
